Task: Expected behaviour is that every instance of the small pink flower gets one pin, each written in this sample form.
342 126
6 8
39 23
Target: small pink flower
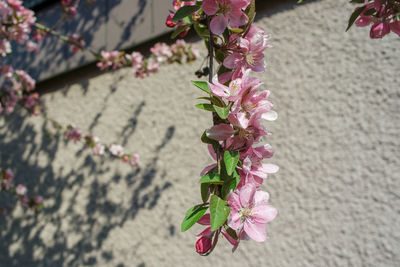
250 212
117 150
73 133
98 149
21 190
226 12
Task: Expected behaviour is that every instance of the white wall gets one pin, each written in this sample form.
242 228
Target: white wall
336 140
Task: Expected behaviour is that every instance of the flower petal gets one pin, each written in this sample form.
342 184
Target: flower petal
246 195
205 220
261 198
255 231
264 213
218 24
210 7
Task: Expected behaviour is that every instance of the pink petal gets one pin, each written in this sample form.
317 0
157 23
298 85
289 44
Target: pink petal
218 24
246 195
231 240
220 132
233 201
270 168
206 232
212 152
234 220
255 231
207 169
270 116
230 61
205 220
261 198
210 7
264 213
218 89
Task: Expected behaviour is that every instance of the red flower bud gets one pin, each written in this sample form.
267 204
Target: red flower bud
203 245
169 22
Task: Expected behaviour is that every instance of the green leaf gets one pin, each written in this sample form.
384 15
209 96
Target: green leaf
219 211
203 86
230 184
354 16
179 30
212 177
236 30
184 12
192 216
213 100
202 30
207 107
223 112
231 158
205 192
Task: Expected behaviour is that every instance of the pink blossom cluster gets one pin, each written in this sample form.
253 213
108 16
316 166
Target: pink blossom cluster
77 43
177 4
17 87
160 53
70 7
98 149
231 185
384 16
15 25
226 12
20 191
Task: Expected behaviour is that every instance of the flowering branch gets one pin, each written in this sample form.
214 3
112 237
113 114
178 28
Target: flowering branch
20 191
230 187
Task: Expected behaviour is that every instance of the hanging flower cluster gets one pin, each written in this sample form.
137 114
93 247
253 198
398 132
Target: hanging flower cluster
72 133
384 15
20 191
18 87
15 25
230 188
161 53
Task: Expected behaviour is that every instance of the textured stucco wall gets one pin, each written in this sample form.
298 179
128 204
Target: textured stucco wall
336 140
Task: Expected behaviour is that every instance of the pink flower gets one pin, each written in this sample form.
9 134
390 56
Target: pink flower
250 212
133 159
73 133
162 52
250 52
227 12
32 46
98 149
220 132
21 190
117 150
379 29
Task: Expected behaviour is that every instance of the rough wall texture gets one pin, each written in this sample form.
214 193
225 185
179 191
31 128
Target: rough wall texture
337 142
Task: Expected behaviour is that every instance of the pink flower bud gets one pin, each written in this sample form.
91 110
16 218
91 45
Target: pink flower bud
203 245
169 22
379 29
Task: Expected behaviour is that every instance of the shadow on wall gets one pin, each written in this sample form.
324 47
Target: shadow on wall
91 23
79 197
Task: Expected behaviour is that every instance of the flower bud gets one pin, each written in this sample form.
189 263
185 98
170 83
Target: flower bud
203 245
379 29
169 22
